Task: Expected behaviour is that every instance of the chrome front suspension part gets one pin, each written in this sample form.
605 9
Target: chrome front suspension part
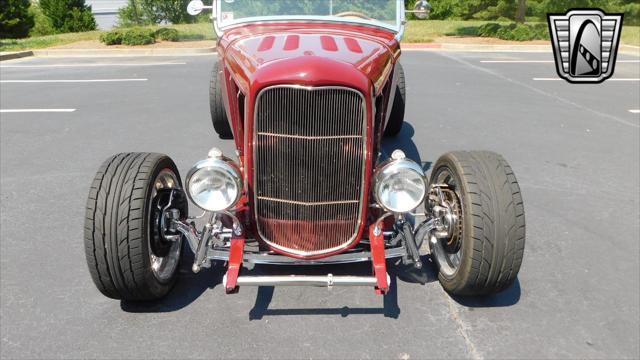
212 233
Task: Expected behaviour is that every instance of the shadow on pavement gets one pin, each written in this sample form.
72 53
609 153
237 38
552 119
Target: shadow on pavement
508 297
397 272
404 141
188 288
390 300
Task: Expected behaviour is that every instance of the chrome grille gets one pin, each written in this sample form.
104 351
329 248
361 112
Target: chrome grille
309 160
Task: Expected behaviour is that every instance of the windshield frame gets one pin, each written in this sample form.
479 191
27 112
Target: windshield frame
398 28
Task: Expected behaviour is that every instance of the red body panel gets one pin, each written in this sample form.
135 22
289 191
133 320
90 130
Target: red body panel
257 56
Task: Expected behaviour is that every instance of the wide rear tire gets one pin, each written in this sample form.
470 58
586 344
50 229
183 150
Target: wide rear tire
491 245
216 105
119 228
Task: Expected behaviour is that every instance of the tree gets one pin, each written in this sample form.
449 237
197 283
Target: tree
145 12
522 10
15 19
69 15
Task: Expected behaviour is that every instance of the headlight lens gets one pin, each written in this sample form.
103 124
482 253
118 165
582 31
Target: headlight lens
400 185
214 184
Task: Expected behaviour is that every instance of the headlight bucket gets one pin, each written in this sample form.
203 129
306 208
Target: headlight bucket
399 184
214 184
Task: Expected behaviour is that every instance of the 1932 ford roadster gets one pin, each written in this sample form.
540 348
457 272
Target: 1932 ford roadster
306 89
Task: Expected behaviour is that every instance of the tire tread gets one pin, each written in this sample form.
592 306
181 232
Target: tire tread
497 230
114 229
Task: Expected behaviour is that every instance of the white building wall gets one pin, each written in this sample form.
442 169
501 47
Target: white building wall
106 12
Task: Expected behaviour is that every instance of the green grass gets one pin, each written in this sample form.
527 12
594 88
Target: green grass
188 32
199 31
428 30
630 35
40 42
416 31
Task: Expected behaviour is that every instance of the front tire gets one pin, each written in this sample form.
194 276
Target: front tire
120 236
484 252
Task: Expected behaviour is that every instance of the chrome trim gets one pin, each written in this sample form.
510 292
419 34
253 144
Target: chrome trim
308 203
305 280
310 137
362 176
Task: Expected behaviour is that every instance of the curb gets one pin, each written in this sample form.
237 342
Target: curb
15 55
629 50
474 47
123 52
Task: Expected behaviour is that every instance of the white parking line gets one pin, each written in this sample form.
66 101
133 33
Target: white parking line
515 61
559 79
90 65
635 111
71 81
543 61
35 110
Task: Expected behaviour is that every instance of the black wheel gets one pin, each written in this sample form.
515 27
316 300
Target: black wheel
128 258
216 105
396 118
476 195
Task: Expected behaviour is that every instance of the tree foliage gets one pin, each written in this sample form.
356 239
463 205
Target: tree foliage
536 9
148 12
377 9
69 15
15 19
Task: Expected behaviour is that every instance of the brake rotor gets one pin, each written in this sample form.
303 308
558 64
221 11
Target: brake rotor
453 243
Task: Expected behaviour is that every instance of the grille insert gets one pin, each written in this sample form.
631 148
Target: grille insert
309 160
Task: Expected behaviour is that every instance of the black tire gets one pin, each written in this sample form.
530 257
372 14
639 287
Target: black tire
118 227
216 105
396 118
493 223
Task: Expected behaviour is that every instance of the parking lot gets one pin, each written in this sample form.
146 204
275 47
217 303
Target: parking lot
574 148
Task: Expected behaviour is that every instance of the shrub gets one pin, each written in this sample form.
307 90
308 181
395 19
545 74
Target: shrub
521 32
43 25
113 37
15 19
632 14
167 34
137 36
488 29
69 15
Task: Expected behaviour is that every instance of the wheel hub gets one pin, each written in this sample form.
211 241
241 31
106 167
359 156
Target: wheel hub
446 211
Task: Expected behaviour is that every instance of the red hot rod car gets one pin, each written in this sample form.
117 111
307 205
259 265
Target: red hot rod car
307 89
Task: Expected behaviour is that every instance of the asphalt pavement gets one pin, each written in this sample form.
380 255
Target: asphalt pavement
575 150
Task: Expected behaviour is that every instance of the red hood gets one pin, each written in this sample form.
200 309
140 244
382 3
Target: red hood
309 54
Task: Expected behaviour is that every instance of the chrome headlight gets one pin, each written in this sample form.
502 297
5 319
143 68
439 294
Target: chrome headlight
214 184
399 184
